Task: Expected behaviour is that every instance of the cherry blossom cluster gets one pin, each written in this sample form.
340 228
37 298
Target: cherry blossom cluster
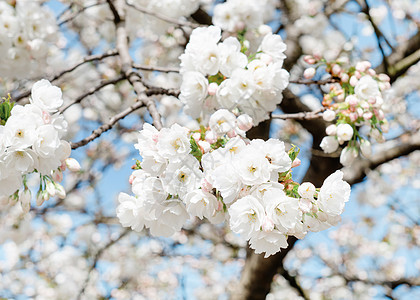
224 75
26 28
236 15
218 174
31 141
356 100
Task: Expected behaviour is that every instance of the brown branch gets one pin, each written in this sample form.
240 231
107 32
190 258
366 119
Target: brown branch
306 115
401 147
155 68
91 92
318 82
86 59
74 15
127 62
105 127
163 17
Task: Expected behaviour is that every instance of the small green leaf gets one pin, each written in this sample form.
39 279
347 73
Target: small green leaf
293 152
195 149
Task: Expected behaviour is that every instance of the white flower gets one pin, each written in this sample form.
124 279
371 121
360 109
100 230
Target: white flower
173 142
168 218
348 155
252 167
23 161
222 121
230 56
246 216
329 144
226 180
344 132
307 190
20 132
366 88
46 96
200 204
193 89
130 212
333 194
331 129
283 210
268 242
47 141
273 45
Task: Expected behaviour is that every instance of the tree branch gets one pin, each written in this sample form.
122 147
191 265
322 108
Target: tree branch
105 127
307 115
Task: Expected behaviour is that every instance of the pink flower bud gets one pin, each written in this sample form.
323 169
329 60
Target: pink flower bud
232 133
371 72
360 67
205 146
131 179
305 205
383 77
211 137
367 115
196 136
380 115
353 117
353 80
309 73
296 163
345 77
309 59
364 105
352 100
212 88
336 70
372 100
357 74
72 164
244 122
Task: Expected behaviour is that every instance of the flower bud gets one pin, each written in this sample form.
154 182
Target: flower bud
212 88
344 77
348 155
205 146
307 190
61 193
296 163
309 59
344 132
353 80
309 73
331 130
328 115
329 144
352 100
366 148
196 136
50 188
244 122
336 69
211 137
264 29
72 164
305 205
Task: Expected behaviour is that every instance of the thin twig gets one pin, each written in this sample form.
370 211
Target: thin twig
91 92
155 68
96 259
319 82
126 61
86 59
105 127
306 115
163 17
73 16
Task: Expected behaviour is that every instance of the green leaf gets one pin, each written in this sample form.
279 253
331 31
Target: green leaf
195 149
293 152
5 110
